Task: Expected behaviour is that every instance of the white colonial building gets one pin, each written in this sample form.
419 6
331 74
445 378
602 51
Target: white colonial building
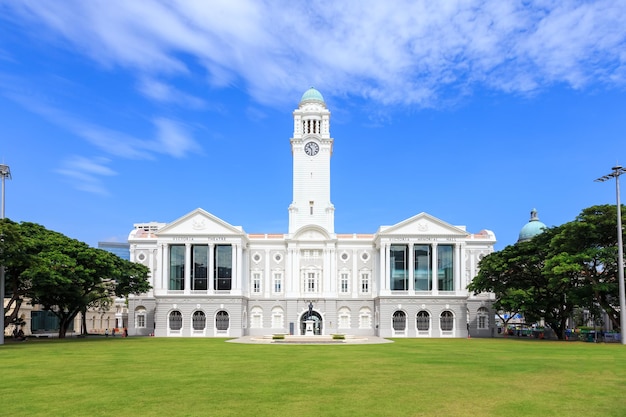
210 278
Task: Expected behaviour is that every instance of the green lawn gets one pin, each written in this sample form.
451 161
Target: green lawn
411 377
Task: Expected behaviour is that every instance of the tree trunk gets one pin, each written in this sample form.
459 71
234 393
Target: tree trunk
83 322
62 328
65 319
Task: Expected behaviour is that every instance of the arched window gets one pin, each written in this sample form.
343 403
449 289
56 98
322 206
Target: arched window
140 317
277 318
365 318
423 321
176 320
399 321
222 320
483 318
199 320
344 318
446 321
256 318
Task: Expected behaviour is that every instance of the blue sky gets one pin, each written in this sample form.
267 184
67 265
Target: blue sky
475 112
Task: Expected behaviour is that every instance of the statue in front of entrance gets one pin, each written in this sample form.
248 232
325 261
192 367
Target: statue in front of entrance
310 317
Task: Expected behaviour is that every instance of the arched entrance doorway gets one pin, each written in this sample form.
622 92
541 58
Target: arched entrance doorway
317 325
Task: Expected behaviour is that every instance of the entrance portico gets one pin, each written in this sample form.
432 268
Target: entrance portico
317 323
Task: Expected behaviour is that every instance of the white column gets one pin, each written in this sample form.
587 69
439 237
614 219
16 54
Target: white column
387 268
288 271
187 285
154 270
325 284
239 267
211 271
293 272
333 269
267 276
233 265
411 266
457 268
330 271
354 275
165 266
435 271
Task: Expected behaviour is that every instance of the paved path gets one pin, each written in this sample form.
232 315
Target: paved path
311 340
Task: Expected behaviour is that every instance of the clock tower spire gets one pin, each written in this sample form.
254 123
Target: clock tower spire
311 148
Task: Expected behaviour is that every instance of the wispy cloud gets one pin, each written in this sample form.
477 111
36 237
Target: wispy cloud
162 92
406 52
173 139
169 138
86 174
403 52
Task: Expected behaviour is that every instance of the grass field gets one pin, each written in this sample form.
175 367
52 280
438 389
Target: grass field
411 377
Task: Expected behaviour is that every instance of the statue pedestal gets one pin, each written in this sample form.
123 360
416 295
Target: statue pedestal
309 328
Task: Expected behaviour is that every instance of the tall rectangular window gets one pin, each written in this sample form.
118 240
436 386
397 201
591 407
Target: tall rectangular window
344 282
200 265
399 267
278 282
365 282
177 267
256 282
223 267
422 270
311 282
445 267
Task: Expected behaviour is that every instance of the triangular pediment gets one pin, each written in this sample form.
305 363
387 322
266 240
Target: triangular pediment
422 224
199 223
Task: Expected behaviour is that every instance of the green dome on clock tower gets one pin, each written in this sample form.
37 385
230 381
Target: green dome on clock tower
312 95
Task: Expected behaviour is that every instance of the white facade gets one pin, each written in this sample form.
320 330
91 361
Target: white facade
211 279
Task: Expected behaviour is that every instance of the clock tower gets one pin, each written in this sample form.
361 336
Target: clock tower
311 147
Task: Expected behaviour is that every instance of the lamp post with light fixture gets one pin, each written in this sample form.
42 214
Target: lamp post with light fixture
617 171
5 172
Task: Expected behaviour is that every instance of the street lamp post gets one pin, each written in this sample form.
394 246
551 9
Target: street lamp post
617 171
5 172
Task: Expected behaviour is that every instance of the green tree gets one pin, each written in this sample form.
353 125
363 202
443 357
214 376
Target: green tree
566 267
17 256
589 245
66 276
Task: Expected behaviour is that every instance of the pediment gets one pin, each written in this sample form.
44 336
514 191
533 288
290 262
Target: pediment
311 233
199 222
422 224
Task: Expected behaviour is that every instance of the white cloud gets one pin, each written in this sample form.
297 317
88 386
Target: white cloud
172 139
165 93
169 138
401 52
85 174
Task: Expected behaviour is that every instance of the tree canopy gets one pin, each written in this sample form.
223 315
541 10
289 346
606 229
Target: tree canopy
565 267
63 275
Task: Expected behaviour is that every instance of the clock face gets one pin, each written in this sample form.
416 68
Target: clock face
311 148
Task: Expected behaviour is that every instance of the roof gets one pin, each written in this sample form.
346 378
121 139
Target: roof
312 95
532 228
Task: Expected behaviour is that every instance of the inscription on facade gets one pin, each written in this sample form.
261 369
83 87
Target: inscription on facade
424 239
